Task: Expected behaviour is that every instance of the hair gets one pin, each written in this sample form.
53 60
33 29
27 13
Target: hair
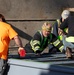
46 26
2 17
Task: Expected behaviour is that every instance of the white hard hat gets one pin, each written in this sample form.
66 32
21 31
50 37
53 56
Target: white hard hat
65 14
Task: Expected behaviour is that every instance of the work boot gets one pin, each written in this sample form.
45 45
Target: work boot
68 53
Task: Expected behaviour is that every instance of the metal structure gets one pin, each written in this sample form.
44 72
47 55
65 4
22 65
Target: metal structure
46 64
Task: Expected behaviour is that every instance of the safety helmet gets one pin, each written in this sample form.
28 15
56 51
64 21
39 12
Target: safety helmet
46 26
65 14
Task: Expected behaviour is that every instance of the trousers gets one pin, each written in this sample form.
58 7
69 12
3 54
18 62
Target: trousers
2 66
67 44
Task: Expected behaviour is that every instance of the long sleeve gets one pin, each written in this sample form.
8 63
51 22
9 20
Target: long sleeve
57 43
64 24
35 42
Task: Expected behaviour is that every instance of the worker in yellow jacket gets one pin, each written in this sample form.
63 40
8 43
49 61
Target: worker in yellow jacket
56 27
42 39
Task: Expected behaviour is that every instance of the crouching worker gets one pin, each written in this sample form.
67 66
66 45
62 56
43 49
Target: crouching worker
69 39
42 39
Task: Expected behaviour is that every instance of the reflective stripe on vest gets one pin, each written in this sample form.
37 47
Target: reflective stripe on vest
33 43
58 44
61 48
55 43
70 39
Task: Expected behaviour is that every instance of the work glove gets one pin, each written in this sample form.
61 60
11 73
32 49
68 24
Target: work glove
38 52
22 52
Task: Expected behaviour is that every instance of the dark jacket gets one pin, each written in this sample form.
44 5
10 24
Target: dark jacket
68 23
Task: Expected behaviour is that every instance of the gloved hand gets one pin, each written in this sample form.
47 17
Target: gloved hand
21 52
38 52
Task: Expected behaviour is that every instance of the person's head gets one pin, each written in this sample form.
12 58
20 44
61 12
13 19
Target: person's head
46 29
2 18
65 14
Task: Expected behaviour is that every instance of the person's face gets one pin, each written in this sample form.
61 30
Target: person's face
1 19
46 33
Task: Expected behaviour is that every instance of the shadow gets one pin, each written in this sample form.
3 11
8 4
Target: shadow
21 33
58 70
